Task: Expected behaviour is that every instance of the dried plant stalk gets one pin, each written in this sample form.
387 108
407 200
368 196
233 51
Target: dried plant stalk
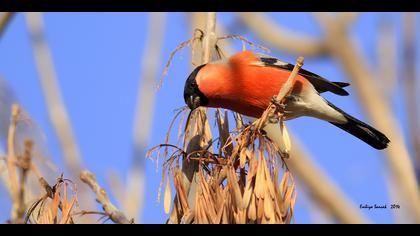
11 166
4 21
114 214
281 38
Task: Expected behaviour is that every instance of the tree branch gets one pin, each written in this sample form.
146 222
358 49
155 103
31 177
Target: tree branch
4 21
281 38
11 165
114 214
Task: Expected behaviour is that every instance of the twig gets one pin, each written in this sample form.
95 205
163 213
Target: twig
168 63
285 89
25 165
115 215
281 38
243 40
11 165
4 21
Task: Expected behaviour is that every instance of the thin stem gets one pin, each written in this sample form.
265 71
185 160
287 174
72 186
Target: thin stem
11 164
101 196
4 21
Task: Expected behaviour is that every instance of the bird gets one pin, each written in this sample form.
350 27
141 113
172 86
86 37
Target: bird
247 81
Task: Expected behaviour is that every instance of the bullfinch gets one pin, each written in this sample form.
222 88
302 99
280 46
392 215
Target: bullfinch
246 83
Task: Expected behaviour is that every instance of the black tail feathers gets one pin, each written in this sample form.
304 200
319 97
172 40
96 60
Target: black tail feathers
362 131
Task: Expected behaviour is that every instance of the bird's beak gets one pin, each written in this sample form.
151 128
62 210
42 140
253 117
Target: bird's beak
193 102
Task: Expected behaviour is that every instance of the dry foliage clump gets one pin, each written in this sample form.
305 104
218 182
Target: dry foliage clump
58 204
245 181
55 207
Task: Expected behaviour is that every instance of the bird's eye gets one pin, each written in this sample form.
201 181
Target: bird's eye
193 84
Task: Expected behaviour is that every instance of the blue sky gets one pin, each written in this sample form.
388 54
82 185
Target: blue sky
97 57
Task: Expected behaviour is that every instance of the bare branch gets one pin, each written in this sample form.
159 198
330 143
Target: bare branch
5 19
12 164
281 38
101 196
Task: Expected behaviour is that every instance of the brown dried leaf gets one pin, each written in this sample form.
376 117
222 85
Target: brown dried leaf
253 165
220 211
288 197
286 137
167 196
249 190
260 208
182 197
66 214
259 180
54 205
234 187
242 158
268 207
283 183
252 208
268 182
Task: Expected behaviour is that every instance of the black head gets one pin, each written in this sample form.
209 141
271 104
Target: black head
192 95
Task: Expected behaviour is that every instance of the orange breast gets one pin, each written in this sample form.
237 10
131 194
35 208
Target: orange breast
250 89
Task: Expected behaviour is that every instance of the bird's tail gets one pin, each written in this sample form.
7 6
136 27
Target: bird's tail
362 130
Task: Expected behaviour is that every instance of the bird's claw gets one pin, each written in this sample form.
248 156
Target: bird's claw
278 103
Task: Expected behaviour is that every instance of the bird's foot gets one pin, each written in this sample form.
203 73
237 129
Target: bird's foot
274 119
278 103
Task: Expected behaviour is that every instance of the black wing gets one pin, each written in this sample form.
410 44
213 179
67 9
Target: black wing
320 84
